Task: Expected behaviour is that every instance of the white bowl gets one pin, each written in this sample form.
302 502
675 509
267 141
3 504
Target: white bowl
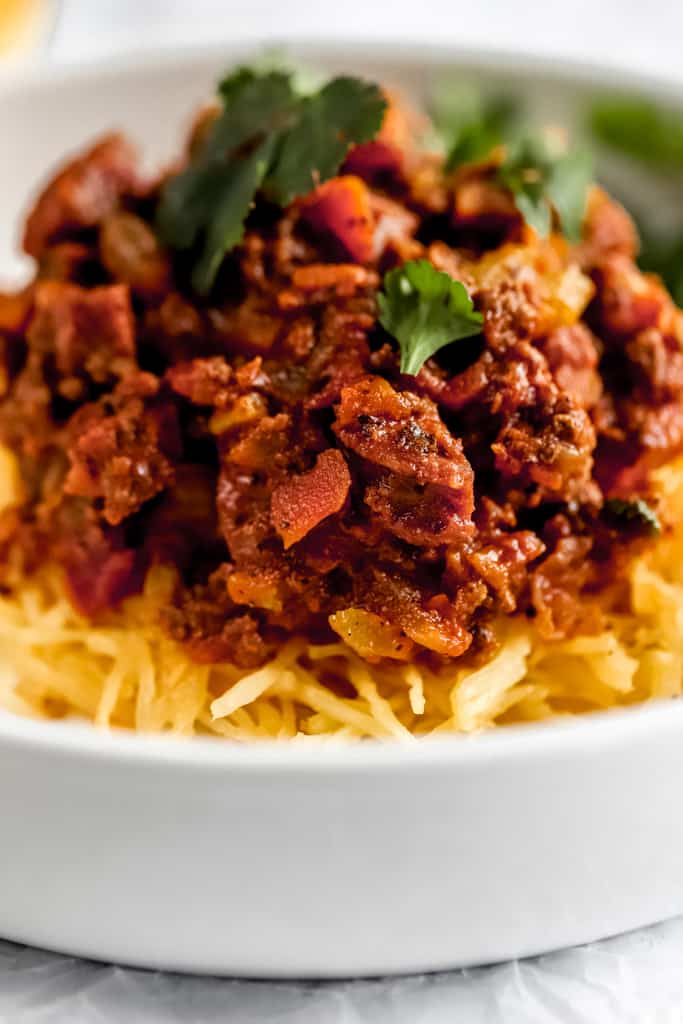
276 860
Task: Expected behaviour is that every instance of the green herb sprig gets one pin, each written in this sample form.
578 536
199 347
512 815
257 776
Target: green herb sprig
425 309
268 137
635 513
541 181
470 125
640 128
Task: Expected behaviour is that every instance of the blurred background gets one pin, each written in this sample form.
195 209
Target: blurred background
619 32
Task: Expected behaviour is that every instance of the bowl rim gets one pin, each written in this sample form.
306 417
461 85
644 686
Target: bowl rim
615 76
596 731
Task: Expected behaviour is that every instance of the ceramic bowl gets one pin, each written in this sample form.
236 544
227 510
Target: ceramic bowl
280 860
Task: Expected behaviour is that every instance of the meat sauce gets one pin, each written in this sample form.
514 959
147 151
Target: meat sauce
264 443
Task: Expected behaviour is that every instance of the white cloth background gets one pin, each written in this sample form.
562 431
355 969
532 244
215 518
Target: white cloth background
632 979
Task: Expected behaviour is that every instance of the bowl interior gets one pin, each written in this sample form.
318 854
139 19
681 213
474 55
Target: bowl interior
45 115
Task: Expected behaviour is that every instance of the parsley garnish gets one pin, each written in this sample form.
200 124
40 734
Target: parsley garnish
663 256
641 129
636 513
268 137
344 112
425 309
469 124
541 181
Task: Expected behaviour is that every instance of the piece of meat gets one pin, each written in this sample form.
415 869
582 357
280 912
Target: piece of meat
207 381
503 564
123 448
556 455
423 515
88 333
404 434
627 301
26 422
100 570
131 253
82 193
212 627
572 355
342 354
558 581
300 502
607 229
182 526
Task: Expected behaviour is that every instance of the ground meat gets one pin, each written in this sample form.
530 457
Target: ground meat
572 355
85 333
100 569
123 448
264 443
129 250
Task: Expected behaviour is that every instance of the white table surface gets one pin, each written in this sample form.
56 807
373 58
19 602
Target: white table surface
633 978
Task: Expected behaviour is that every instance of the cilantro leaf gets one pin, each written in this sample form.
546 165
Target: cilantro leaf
568 188
425 309
541 181
469 124
227 223
189 198
641 129
346 111
634 513
268 136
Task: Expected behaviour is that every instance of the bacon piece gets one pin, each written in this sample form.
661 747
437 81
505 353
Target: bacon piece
84 191
340 211
301 502
430 622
